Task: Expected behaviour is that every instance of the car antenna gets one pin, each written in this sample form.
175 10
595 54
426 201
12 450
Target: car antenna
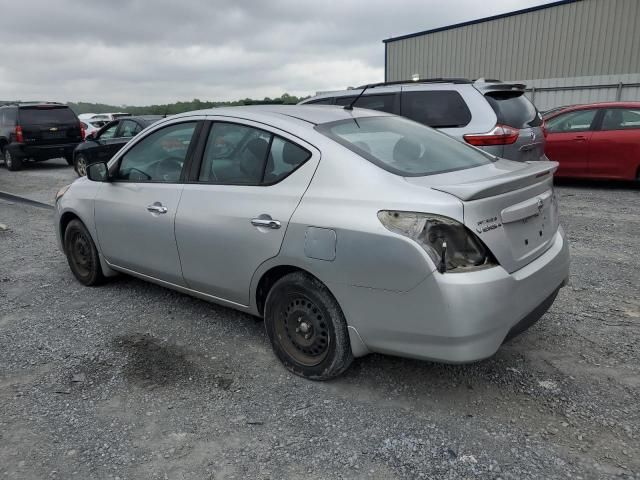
350 106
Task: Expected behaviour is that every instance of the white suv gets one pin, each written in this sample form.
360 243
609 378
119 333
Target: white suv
488 114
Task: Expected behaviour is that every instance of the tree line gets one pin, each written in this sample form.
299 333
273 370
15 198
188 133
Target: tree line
177 107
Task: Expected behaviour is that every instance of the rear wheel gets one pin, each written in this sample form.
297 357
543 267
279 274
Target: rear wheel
307 328
81 165
11 162
82 254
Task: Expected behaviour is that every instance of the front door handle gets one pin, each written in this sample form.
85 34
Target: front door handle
266 222
580 138
157 208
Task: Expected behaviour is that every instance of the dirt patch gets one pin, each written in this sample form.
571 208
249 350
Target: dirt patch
150 360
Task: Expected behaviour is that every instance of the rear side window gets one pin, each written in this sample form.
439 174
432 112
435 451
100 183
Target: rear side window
436 108
129 128
621 119
514 109
44 115
383 103
322 101
8 116
242 155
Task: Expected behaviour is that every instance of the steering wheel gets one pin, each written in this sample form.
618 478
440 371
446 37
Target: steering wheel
168 169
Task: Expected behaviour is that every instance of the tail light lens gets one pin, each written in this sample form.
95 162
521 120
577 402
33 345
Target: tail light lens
499 135
448 243
19 136
83 132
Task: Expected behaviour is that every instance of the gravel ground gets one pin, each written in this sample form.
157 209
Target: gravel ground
131 380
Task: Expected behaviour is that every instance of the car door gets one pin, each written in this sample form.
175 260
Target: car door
135 211
568 141
235 210
106 142
615 145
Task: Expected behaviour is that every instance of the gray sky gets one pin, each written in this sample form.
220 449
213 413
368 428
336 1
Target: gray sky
140 52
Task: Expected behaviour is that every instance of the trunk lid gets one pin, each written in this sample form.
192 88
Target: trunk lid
514 109
49 125
510 206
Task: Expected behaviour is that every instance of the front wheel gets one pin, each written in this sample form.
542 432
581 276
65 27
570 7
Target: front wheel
82 254
80 165
307 328
11 162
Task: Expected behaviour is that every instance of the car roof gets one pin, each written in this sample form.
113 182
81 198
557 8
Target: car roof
587 106
311 114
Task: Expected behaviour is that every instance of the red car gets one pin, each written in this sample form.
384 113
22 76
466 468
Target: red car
599 140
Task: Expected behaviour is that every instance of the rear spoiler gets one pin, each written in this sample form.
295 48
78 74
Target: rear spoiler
534 172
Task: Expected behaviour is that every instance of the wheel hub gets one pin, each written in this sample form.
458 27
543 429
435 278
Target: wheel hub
304 331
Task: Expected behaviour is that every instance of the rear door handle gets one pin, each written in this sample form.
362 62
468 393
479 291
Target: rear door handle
157 208
266 222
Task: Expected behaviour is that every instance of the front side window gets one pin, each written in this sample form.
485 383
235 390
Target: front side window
436 108
129 128
242 155
383 103
621 119
109 132
158 157
403 147
578 121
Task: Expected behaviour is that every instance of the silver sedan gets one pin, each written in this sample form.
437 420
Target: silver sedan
348 231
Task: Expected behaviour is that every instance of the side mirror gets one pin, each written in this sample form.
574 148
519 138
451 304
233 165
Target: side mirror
98 172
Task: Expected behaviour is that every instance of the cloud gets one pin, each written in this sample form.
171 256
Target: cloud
139 52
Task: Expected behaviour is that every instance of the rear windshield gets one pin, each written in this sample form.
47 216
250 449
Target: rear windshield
42 115
514 109
403 147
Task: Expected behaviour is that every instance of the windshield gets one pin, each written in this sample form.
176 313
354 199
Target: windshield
403 147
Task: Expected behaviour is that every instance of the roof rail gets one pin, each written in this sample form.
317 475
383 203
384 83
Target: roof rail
422 80
35 102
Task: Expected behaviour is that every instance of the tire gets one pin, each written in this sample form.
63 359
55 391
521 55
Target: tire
80 165
82 254
307 328
11 162
69 159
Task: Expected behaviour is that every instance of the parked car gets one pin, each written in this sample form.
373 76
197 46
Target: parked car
599 140
89 128
38 131
104 143
494 116
349 232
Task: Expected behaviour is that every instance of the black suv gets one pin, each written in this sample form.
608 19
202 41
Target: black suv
38 131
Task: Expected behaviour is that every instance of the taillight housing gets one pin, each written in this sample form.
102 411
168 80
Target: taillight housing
499 135
450 245
19 136
83 132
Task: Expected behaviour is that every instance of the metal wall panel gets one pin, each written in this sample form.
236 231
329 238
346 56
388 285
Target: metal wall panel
585 38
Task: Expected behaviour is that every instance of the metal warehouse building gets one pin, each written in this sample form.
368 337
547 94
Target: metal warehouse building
566 52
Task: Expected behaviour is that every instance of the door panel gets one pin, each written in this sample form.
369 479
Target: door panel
133 237
568 141
135 212
571 150
615 149
223 231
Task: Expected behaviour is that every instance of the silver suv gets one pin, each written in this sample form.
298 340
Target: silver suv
494 116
